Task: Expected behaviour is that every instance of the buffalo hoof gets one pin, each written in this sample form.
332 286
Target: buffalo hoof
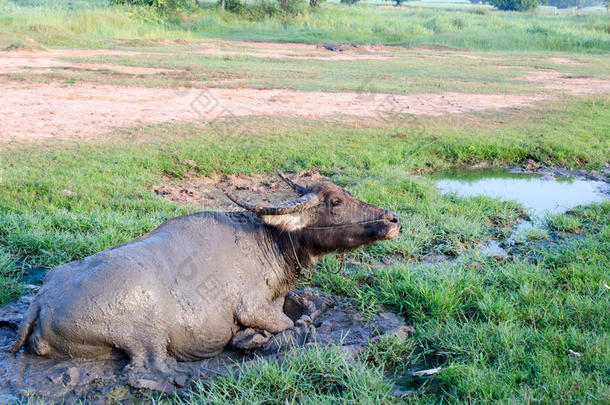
303 332
250 339
161 375
164 385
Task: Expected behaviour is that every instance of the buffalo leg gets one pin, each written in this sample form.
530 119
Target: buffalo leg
149 358
265 316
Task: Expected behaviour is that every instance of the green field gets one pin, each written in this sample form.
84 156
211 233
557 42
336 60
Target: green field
55 24
502 330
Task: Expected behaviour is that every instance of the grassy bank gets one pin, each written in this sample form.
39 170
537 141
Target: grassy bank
64 201
55 24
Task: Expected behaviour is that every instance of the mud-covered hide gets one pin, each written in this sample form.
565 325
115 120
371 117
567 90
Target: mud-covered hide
319 319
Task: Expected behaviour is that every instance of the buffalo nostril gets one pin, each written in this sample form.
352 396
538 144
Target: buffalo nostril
394 220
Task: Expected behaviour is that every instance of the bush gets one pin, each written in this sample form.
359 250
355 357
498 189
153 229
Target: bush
293 7
573 3
515 5
398 2
262 9
349 1
158 4
234 6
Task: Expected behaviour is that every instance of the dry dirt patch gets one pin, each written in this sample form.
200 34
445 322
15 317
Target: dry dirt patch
36 111
22 61
577 85
297 51
566 61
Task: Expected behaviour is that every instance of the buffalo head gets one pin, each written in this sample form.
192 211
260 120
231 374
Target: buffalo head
326 218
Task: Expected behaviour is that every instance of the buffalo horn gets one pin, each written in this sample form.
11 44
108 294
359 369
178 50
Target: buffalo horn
296 187
302 203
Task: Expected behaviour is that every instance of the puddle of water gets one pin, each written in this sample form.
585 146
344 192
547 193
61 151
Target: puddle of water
539 195
30 274
493 248
33 275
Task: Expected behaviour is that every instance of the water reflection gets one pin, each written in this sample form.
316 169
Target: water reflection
539 195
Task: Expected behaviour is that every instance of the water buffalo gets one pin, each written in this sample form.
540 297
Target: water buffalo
182 291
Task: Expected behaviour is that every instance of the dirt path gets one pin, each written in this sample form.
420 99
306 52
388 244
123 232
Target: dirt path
37 61
35 111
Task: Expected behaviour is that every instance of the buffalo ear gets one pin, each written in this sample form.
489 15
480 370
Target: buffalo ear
288 222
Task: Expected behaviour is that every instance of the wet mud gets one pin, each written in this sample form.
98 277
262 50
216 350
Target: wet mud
207 192
319 319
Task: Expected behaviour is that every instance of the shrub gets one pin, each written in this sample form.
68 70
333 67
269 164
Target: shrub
293 7
349 1
262 9
234 6
158 4
398 2
515 5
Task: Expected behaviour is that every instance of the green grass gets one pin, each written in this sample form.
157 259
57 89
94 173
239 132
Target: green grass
59 26
502 331
400 75
407 71
10 288
316 375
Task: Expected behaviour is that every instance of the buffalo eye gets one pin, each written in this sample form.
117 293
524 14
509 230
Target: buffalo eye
335 202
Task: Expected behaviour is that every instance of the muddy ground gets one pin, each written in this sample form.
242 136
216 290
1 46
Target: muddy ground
207 191
319 319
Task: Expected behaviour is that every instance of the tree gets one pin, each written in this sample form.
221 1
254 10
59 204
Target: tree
397 2
515 5
158 4
573 3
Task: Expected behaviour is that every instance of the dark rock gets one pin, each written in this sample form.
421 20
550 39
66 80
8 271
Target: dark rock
333 47
250 339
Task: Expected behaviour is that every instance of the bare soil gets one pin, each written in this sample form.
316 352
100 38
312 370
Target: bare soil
565 83
40 61
318 318
566 61
84 110
299 51
38 111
